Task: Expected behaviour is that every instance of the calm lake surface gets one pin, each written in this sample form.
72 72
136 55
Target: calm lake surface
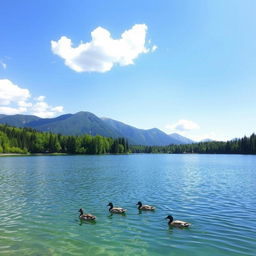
40 197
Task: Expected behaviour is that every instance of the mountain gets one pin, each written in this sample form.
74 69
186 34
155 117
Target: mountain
18 120
69 124
76 124
137 136
88 123
206 140
181 139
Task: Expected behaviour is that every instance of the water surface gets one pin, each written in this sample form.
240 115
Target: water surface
40 198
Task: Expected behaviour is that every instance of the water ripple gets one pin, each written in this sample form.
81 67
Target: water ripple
40 198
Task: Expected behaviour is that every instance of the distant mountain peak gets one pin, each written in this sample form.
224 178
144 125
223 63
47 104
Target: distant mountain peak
206 140
155 130
182 139
85 122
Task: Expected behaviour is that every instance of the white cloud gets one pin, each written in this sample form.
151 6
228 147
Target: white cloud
42 109
192 131
24 104
12 111
15 100
183 125
9 92
154 47
103 51
207 136
40 98
58 109
4 65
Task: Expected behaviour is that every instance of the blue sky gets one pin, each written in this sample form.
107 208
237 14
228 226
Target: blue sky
185 66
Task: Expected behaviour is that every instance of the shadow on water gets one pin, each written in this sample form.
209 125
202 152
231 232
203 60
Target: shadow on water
86 222
170 230
179 228
110 216
146 212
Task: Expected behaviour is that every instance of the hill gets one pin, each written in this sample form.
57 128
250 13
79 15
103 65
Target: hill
87 123
181 139
137 136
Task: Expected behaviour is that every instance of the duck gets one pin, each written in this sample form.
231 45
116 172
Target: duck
177 223
145 207
113 209
86 216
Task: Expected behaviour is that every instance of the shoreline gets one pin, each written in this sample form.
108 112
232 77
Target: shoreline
58 154
142 153
29 154
12 154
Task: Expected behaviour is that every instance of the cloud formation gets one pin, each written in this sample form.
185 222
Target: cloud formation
4 65
17 100
208 136
40 98
10 92
103 51
154 47
42 109
12 110
183 125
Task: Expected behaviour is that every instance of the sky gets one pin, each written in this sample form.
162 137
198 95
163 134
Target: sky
180 66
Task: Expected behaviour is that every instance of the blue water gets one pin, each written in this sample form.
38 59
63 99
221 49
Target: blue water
40 197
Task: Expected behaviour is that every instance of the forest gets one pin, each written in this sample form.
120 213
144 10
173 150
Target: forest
27 140
245 145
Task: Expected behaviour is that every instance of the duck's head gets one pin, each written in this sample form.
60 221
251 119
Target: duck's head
169 217
81 210
110 204
139 203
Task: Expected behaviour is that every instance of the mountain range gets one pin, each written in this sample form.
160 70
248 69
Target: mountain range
88 123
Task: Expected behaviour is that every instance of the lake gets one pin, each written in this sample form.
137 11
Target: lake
40 197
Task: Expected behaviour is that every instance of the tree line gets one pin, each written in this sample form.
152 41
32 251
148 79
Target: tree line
245 145
27 140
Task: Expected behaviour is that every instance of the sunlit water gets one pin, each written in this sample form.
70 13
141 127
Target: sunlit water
40 197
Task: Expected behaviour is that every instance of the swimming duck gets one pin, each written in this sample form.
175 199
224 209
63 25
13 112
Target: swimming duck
86 216
177 223
145 207
113 209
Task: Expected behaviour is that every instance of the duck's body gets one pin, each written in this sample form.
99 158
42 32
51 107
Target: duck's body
86 216
113 209
177 223
145 207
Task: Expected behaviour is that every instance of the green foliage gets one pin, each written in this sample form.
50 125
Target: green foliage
27 140
246 145
24 140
